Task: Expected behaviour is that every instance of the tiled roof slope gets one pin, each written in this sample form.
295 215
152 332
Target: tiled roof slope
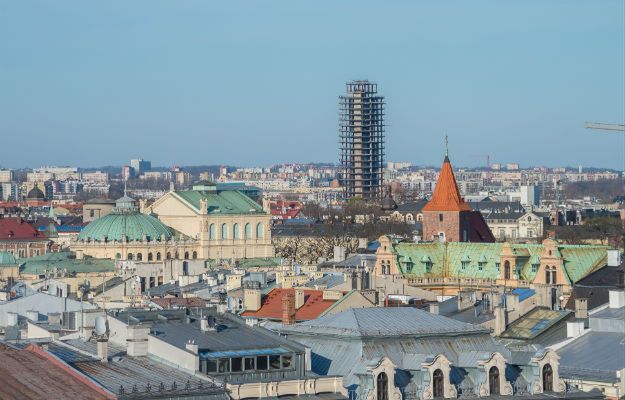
446 259
271 305
18 229
221 201
32 374
446 196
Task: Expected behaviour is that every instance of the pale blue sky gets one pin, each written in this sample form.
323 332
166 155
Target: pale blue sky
92 83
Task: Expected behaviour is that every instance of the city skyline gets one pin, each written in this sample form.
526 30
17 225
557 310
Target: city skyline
516 82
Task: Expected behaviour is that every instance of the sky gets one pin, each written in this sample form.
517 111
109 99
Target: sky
196 82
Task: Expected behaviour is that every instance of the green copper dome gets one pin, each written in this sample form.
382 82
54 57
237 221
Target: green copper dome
125 221
7 258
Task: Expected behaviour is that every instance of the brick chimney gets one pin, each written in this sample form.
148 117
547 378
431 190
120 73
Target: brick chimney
288 307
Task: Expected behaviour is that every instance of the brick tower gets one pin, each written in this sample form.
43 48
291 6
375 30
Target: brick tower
447 217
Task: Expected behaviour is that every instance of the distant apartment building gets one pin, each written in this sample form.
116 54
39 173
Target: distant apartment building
6 175
361 140
128 172
140 165
98 177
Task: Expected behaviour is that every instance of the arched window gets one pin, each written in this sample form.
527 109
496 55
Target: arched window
168 256
235 232
260 231
506 269
493 380
248 231
129 256
195 255
212 232
382 386
409 218
224 231
118 256
158 256
139 256
438 383
547 276
186 255
547 378
177 256
150 256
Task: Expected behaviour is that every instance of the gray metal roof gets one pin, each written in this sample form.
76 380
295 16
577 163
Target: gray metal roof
327 281
389 321
594 354
143 374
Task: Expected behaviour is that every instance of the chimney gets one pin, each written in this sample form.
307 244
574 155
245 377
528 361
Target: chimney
581 308
288 307
299 298
137 340
617 298
551 234
252 299
102 349
500 320
574 328
434 308
192 347
54 318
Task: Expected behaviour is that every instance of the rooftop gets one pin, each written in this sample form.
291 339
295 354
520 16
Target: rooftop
391 321
446 196
65 261
271 305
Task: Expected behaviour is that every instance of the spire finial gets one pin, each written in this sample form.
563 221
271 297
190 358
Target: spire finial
125 195
446 146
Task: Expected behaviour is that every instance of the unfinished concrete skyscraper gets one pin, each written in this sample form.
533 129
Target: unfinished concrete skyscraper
361 140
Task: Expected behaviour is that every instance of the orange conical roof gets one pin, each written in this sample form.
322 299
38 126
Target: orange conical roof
446 196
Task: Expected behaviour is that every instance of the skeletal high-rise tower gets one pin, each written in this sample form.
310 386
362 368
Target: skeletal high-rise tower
361 140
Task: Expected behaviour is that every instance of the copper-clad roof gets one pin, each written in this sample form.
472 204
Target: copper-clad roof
446 196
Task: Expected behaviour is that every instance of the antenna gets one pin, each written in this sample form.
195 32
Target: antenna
446 146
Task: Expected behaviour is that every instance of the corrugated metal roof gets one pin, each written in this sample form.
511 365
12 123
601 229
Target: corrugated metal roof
384 322
592 354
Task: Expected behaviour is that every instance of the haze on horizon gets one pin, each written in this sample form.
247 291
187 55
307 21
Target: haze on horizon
243 83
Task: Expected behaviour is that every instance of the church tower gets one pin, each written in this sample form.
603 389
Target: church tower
447 217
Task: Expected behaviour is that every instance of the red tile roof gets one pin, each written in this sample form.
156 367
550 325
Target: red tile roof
33 373
169 302
446 196
271 305
18 229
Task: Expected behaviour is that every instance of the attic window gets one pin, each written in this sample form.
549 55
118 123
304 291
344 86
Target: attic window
498 266
427 263
464 263
535 267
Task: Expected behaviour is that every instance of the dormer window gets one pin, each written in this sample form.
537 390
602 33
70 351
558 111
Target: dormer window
427 263
464 263
481 263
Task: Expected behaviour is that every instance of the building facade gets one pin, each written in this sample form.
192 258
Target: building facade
361 138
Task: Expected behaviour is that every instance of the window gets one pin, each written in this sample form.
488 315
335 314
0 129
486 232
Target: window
236 364
250 363
118 256
438 383
224 365
498 266
248 231
464 264
195 255
493 380
535 267
382 386
286 361
158 256
506 271
530 233
139 256
168 255
260 231
149 256
224 231
212 234
92 213
440 217
547 378
274 361
261 363
129 256
211 366
186 255
235 232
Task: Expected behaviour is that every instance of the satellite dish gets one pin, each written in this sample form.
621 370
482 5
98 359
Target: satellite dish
101 326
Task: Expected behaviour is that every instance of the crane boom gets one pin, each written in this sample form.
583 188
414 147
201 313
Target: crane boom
605 127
